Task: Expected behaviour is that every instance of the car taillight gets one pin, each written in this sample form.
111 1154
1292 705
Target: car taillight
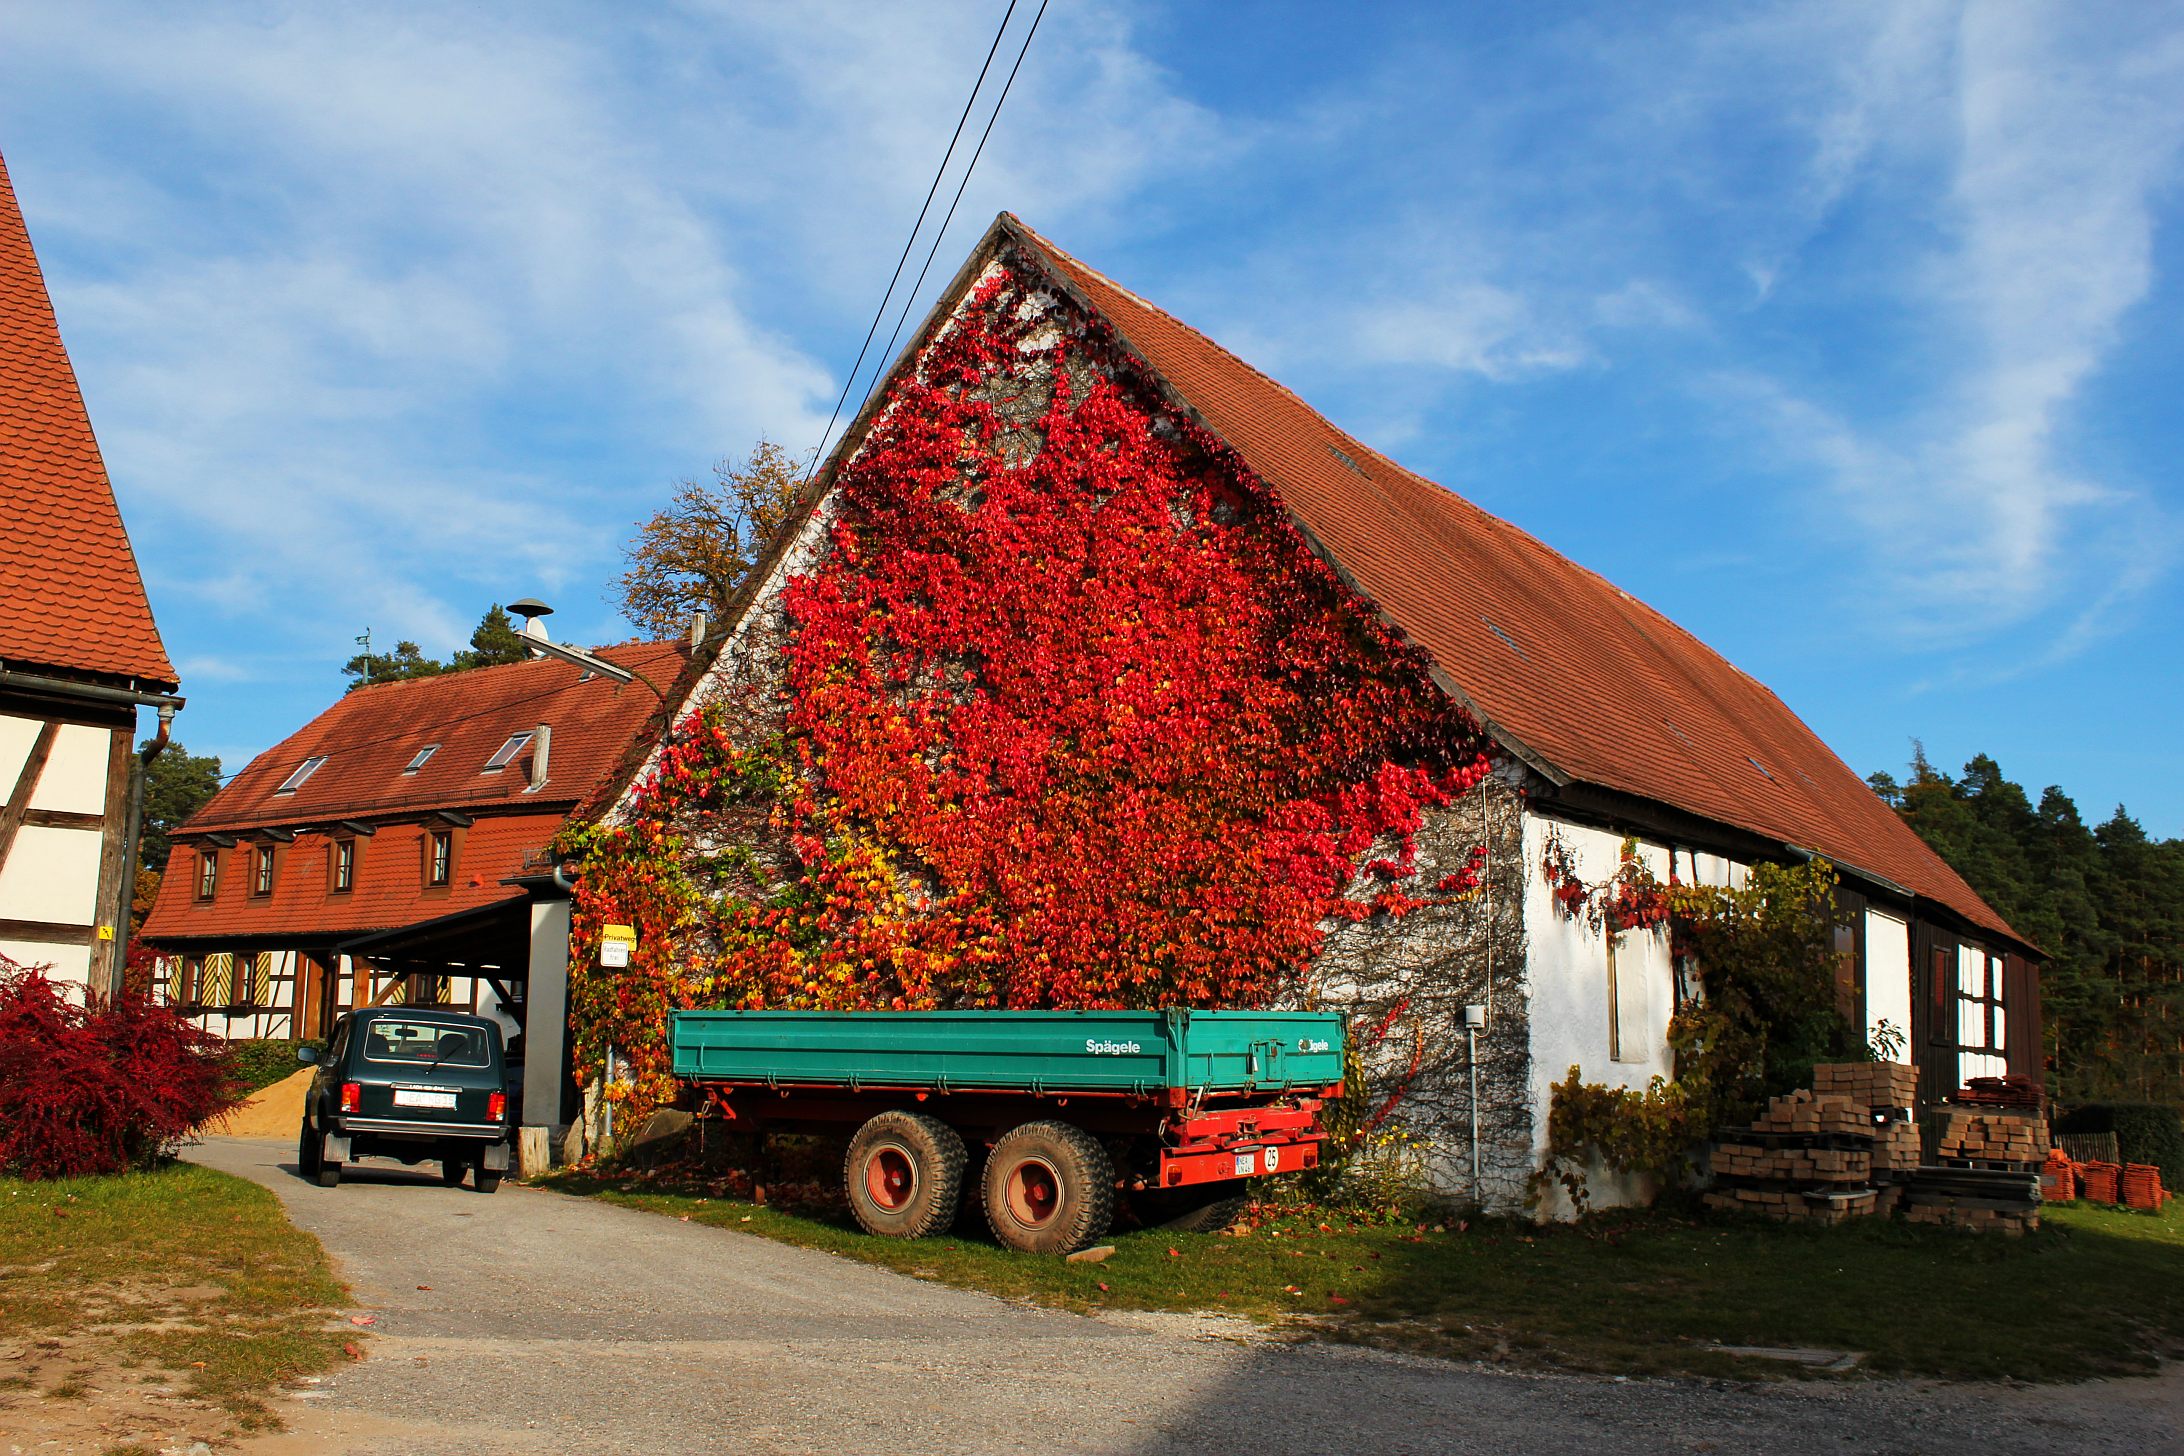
352 1097
496 1106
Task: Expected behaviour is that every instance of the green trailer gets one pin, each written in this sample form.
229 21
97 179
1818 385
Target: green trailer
1070 1110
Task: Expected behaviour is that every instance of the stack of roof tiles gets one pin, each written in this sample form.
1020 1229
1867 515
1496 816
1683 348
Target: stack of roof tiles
1986 1170
2142 1186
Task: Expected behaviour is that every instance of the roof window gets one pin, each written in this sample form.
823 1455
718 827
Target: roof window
506 753
303 771
422 755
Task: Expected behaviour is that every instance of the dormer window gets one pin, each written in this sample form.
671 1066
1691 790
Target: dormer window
262 882
208 873
506 753
423 755
439 857
303 771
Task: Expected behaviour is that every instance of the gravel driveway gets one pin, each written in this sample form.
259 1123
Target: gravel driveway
549 1323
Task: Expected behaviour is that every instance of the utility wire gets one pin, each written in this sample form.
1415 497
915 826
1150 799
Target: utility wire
910 242
911 297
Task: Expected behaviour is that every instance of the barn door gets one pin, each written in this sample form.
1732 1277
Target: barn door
1934 1014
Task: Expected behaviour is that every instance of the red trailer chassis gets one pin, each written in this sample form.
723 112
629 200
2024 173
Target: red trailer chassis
1189 1139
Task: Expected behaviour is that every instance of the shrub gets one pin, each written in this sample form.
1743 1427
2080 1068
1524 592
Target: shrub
2146 1132
100 1088
261 1063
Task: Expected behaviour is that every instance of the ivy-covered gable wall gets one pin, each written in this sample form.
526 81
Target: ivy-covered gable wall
1049 705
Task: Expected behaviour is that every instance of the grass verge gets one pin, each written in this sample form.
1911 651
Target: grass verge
176 1292
2094 1292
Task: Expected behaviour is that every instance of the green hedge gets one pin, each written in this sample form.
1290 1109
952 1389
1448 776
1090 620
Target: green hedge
2146 1132
262 1063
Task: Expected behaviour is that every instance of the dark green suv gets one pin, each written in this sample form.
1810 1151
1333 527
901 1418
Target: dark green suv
409 1083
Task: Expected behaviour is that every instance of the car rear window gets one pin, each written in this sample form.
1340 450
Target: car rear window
424 1043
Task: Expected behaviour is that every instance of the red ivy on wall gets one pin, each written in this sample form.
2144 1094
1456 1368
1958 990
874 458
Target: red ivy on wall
1075 718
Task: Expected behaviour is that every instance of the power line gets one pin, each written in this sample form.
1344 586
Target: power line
932 252
910 242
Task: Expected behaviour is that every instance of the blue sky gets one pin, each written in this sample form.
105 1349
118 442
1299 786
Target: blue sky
1846 334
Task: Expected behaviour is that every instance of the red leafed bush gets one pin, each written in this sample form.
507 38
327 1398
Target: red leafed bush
98 1089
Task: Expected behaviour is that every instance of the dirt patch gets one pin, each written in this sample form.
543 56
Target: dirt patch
271 1112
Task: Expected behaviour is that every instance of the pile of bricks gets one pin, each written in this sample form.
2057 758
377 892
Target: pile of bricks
1990 1139
2016 1090
1987 1162
1807 1159
2101 1182
1877 1086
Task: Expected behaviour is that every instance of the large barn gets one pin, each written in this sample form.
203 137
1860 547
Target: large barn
79 653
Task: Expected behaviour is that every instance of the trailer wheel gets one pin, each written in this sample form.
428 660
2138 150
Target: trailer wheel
1050 1188
904 1175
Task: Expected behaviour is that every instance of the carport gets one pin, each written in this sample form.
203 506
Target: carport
519 948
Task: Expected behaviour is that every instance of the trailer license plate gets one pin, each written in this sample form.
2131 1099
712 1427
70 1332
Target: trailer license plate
410 1097
1246 1164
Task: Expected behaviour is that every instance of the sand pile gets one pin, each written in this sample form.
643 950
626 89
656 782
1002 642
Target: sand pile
271 1112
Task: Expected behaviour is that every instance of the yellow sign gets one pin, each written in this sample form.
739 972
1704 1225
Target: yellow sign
615 944
106 932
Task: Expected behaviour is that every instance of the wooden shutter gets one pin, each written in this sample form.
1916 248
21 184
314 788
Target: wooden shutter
2021 1028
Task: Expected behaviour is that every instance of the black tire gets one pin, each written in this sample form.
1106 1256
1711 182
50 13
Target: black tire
307 1151
1207 1210
1049 1188
904 1175
452 1170
488 1179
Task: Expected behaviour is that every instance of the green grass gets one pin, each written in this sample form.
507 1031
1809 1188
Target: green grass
181 1270
2094 1292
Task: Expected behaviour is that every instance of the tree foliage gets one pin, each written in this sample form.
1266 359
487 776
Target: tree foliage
176 785
693 555
2106 904
493 642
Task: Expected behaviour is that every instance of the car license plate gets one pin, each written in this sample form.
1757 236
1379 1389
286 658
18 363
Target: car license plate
1246 1164
412 1097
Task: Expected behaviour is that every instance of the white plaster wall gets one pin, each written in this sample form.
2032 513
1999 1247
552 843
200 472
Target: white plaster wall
1567 975
69 964
74 780
1887 973
52 874
17 734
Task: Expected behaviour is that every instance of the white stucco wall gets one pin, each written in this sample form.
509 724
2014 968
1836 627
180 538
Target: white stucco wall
1888 974
17 734
69 964
74 779
1567 976
52 874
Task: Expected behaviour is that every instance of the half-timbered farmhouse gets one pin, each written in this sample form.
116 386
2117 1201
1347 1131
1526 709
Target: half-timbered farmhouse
79 653
1609 726
394 849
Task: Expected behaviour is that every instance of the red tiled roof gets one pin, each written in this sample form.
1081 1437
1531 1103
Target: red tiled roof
70 595
1586 678
368 737
389 883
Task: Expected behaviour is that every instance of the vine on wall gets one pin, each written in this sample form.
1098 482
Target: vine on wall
1065 714
1766 952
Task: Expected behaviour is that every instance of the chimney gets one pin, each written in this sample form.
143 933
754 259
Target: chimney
697 630
542 743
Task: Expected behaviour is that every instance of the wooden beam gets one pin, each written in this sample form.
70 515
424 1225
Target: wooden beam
62 819
47 932
117 881
17 807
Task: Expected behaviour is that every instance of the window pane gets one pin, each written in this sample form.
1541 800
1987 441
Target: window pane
422 754
303 771
503 755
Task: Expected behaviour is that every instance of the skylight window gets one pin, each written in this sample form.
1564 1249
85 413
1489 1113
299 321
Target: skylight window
506 753
303 771
422 755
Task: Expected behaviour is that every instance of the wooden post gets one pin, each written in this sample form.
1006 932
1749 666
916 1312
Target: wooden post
534 1151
